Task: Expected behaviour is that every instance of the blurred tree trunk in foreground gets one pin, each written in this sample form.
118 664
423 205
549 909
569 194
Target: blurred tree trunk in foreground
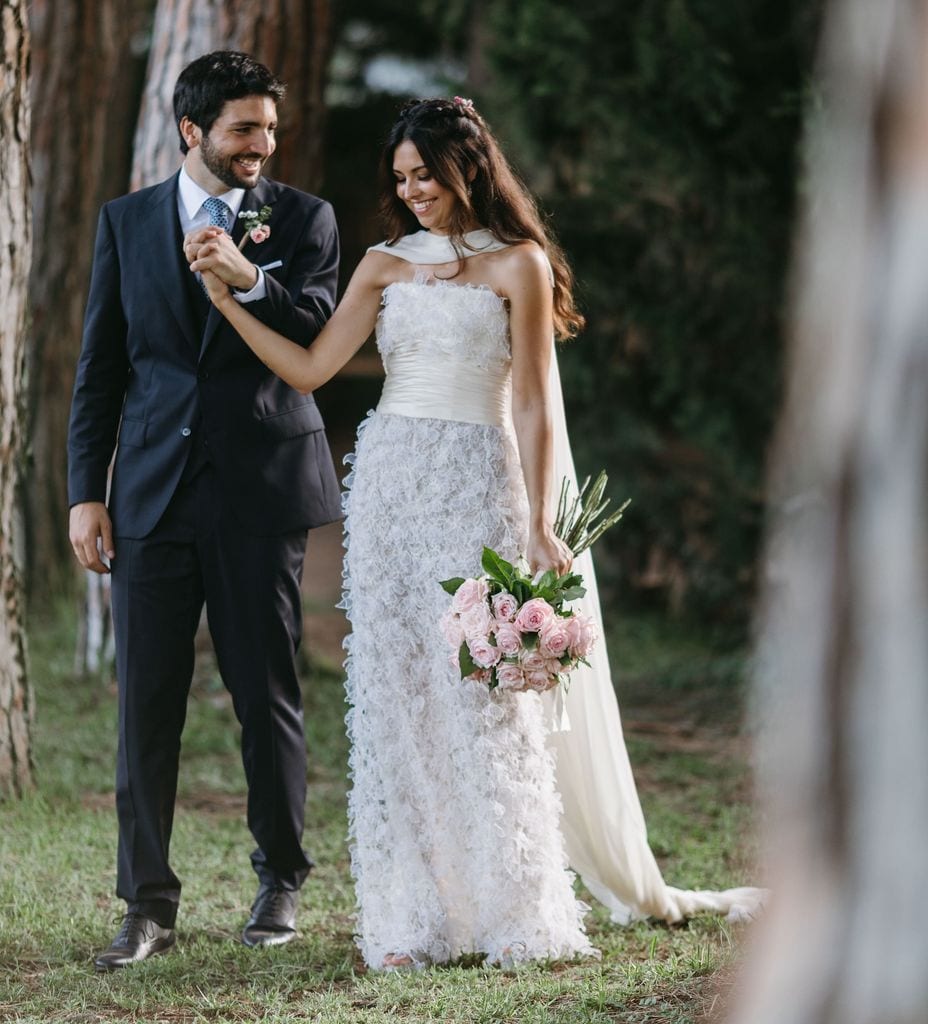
83 98
15 243
292 37
843 654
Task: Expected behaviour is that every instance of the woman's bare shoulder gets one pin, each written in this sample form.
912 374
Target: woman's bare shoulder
524 266
379 269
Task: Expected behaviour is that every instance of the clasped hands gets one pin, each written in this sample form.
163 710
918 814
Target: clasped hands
219 261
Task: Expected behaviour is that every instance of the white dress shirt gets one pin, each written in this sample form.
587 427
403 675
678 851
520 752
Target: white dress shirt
190 199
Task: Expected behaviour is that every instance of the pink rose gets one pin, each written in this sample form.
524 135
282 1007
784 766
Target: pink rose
476 621
508 638
553 640
469 593
451 629
540 681
581 633
533 661
504 606
260 233
483 652
533 615
509 676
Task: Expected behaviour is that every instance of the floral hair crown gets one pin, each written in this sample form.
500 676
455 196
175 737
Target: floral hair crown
467 105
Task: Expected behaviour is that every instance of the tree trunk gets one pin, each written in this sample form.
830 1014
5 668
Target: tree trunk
85 84
842 687
292 37
15 244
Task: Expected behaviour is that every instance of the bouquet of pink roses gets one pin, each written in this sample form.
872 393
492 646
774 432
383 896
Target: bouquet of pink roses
513 631
509 630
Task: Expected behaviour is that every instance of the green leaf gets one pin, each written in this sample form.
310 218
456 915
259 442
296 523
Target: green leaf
468 665
572 593
521 591
497 567
452 585
547 580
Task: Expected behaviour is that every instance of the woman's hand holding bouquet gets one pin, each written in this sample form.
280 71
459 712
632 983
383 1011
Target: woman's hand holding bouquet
513 631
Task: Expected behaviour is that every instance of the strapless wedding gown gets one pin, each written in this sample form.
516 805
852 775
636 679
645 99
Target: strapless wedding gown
466 805
455 845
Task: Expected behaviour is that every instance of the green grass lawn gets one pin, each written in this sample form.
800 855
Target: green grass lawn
57 851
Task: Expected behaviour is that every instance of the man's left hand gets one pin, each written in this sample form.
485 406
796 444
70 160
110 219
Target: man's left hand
212 249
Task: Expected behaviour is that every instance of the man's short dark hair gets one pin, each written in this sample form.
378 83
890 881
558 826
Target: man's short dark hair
205 86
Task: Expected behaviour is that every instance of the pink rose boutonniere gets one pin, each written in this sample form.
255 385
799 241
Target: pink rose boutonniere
256 226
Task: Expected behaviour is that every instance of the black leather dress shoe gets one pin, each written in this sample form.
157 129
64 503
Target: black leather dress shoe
273 918
139 938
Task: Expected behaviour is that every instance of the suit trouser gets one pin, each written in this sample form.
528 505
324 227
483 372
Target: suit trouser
251 587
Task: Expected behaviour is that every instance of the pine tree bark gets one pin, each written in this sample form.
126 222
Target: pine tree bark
843 652
292 37
15 244
85 84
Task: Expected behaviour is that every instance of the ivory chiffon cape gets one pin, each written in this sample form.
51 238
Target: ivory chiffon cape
603 824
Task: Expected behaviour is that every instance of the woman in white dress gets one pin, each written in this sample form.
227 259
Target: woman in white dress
456 806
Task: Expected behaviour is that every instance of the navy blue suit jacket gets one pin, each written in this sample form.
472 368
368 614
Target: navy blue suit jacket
149 372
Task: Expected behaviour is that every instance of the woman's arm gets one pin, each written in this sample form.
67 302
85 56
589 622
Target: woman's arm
307 368
531 328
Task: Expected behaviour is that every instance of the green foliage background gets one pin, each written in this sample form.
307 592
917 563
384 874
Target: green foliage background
662 139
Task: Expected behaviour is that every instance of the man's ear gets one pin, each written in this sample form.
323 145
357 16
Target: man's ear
190 132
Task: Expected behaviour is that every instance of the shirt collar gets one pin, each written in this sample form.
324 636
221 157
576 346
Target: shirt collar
192 196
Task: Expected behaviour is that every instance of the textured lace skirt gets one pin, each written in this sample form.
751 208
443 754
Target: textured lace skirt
453 812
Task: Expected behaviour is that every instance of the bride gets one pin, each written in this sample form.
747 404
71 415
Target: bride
466 806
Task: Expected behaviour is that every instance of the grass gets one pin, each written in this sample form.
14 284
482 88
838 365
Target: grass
57 849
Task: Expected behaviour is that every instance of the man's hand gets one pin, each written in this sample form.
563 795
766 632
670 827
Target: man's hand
212 249
90 523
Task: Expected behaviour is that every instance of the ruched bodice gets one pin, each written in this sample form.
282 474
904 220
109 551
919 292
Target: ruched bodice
445 349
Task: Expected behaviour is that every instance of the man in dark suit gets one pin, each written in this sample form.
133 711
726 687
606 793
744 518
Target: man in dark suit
220 470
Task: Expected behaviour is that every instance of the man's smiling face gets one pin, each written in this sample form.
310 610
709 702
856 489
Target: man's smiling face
239 143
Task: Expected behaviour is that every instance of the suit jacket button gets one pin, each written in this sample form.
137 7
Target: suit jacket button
186 432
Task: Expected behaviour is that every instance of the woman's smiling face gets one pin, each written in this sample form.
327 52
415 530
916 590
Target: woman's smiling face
431 203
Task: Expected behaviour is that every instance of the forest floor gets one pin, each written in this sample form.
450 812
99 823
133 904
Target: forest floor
682 709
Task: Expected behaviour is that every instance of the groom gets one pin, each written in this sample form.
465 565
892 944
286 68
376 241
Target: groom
219 471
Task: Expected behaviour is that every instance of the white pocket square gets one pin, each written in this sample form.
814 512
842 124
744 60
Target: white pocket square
271 266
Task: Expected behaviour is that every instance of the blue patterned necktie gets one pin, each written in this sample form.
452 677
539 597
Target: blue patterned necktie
219 213
220 216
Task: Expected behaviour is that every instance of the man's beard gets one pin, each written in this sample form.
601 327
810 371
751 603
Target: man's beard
221 166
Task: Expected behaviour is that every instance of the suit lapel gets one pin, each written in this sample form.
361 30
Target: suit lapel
165 257
254 199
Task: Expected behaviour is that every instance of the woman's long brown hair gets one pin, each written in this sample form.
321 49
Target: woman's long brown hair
461 153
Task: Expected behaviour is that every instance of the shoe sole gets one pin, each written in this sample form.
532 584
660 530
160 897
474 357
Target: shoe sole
280 939
162 946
